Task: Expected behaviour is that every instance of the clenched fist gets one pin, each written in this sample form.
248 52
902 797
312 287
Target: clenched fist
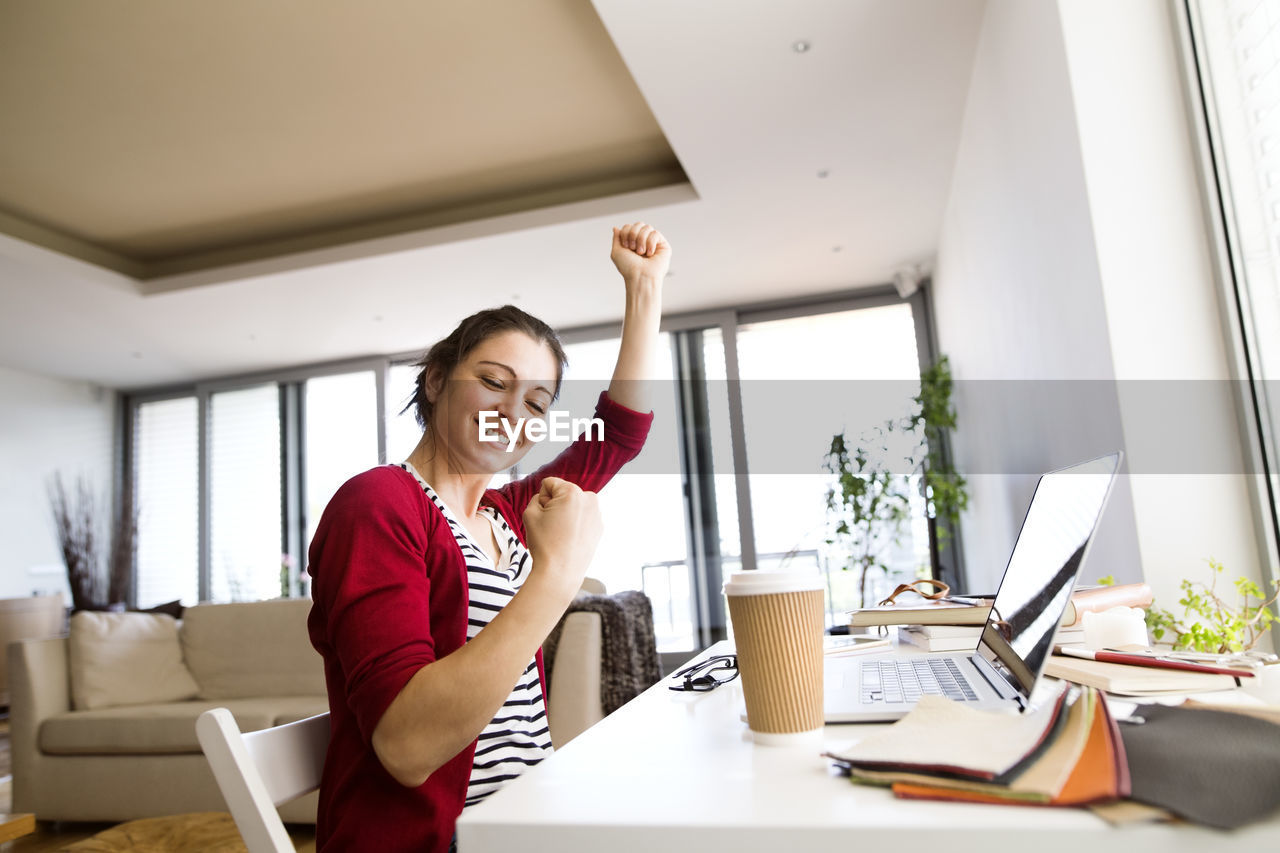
640 251
562 525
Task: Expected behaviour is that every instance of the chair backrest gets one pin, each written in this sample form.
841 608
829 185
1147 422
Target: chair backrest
32 617
259 771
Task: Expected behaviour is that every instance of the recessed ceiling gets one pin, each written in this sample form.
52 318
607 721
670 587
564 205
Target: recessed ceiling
157 138
748 123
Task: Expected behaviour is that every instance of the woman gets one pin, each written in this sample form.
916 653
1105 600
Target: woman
432 593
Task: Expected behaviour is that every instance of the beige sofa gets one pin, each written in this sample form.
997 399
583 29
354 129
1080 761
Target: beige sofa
122 762
141 760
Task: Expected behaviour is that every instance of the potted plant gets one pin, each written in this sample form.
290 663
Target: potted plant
869 500
946 491
1211 624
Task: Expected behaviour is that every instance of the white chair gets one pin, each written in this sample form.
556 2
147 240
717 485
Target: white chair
259 771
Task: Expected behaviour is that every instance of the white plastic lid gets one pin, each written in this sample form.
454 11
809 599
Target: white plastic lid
770 581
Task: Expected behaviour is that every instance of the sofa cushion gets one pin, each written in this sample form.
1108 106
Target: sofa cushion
126 659
163 728
261 648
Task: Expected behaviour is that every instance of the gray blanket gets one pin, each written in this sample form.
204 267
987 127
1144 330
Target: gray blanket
629 653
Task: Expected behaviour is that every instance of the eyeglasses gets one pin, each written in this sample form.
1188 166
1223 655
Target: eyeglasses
941 590
707 675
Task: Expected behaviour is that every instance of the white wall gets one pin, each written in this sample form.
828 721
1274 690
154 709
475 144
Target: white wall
1018 296
1158 284
46 426
1074 247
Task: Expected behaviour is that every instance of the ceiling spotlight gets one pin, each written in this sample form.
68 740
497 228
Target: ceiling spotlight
822 173
801 46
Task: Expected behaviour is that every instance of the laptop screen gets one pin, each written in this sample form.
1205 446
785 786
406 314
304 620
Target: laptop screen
1042 570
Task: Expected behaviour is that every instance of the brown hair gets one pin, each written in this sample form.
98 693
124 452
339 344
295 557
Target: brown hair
447 354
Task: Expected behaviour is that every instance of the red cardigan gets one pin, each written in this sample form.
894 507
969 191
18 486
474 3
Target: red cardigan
390 596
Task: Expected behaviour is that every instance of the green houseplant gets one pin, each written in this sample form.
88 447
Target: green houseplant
874 478
869 505
946 491
1209 622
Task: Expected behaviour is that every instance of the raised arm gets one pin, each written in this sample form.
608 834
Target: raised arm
642 255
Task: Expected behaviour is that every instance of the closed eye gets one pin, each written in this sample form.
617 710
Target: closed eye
537 409
491 382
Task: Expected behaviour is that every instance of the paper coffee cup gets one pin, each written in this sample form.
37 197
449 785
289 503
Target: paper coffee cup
778 624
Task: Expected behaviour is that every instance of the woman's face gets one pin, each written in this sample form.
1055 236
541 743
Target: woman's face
509 373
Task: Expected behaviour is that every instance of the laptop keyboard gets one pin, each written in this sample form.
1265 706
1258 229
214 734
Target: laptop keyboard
908 680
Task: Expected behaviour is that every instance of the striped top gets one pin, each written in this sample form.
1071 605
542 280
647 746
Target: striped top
518 736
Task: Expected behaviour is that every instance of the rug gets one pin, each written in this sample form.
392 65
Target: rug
202 832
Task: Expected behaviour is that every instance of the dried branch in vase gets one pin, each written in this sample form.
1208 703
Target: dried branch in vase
73 523
75 518
124 534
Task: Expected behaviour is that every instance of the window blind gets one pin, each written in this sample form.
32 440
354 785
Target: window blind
245 530
165 473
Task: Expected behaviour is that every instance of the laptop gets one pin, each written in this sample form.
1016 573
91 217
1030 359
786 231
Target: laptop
1018 636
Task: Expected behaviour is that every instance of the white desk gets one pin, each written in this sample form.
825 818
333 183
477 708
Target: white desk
673 772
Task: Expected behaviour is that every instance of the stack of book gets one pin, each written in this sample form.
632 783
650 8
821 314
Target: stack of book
1143 674
941 638
1067 752
944 612
954 626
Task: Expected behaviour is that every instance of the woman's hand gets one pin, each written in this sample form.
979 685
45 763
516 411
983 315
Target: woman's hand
562 525
640 252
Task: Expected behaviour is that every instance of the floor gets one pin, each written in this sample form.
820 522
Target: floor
54 836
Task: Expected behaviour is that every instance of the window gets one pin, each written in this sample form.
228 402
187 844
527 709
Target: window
234 475
403 431
340 436
166 492
244 494
1236 55
805 379
800 379
715 529
644 545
